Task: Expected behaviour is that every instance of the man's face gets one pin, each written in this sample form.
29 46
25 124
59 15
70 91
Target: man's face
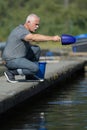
34 24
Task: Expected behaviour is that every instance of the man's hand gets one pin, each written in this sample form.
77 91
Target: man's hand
56 38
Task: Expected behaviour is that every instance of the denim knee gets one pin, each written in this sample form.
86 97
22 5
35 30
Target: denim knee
35 69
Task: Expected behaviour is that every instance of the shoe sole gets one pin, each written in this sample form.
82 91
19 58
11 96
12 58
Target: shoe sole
10 81
40 80
37 80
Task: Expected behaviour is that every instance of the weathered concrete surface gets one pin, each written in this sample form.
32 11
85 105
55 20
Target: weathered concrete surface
12 94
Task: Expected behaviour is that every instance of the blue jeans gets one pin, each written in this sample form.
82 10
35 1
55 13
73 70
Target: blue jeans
27 65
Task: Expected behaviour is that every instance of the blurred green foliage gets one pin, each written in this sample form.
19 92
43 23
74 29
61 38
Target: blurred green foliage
56 17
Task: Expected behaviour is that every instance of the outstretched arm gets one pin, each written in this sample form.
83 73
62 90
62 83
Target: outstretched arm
43 38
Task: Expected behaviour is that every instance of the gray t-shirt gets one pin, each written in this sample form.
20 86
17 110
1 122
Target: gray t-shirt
16 46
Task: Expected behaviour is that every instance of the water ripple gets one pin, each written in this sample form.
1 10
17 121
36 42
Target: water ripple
67 102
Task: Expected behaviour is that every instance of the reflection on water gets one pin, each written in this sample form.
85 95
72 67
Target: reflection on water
58 109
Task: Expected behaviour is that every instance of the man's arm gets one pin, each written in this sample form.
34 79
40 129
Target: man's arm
43 38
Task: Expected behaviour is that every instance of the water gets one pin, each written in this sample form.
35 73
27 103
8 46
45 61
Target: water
63 108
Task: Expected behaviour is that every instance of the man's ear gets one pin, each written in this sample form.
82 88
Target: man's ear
29 22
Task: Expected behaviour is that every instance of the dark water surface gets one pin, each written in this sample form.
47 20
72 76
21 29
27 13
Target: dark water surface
57 109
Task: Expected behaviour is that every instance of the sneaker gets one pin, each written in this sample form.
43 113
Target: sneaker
10 77
33 78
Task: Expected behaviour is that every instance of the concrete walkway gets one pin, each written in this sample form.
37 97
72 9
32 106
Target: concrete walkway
13 94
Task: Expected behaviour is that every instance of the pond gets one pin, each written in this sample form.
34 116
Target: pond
63 107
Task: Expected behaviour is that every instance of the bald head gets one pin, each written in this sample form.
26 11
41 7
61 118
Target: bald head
32 17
